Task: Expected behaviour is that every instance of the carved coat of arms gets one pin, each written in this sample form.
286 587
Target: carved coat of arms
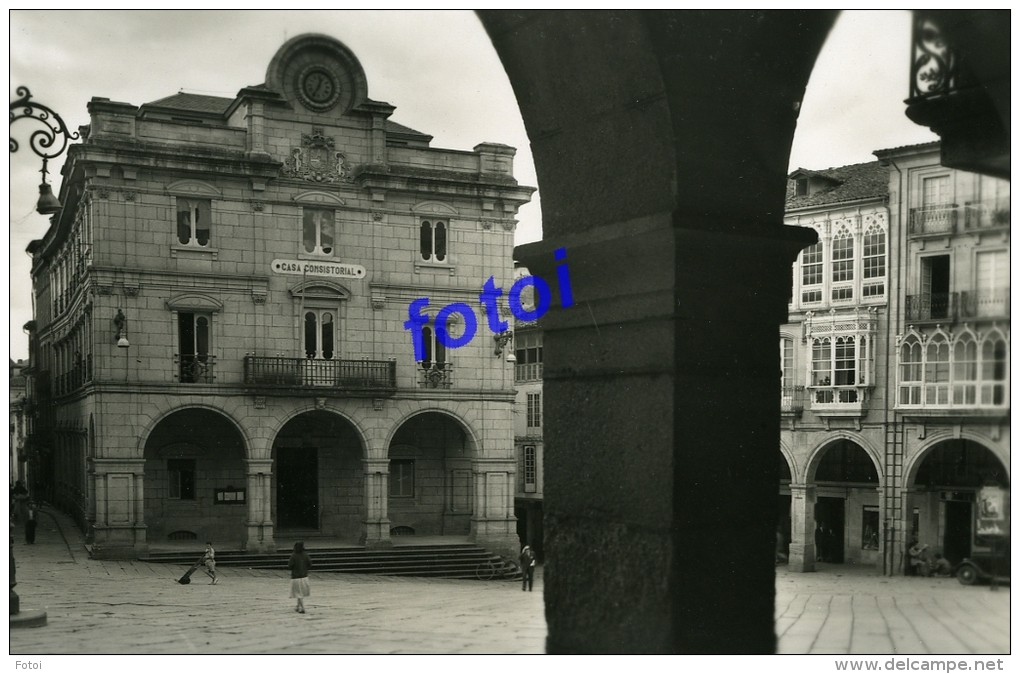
317 160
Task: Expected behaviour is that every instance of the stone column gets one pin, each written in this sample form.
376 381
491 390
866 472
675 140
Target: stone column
802 524
493 524
259 524
902 534
375 532
120 509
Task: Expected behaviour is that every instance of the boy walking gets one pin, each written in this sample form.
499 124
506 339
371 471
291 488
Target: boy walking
528 568
210 562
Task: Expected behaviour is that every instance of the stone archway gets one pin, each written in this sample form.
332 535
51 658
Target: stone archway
430 477
195 479
661 142
318 485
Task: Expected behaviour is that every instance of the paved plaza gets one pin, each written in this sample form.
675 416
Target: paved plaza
135 607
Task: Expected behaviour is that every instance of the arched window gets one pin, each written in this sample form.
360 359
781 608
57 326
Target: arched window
435 351
433 240
993 370
318 231
936 372
320 333
910 372
965 362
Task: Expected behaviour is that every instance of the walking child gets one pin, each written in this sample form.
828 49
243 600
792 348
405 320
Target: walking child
299 564
210 562
30 523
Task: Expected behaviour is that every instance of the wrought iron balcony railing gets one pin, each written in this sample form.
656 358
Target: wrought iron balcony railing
984 303
936 68
435 375
337 374
793 399
940 219
932 307
195 368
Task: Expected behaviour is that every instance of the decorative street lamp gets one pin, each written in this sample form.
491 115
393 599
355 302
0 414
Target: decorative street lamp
48 142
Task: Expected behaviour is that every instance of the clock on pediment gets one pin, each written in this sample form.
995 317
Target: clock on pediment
318 73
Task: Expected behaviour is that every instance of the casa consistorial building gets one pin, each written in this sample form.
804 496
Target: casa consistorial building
219 349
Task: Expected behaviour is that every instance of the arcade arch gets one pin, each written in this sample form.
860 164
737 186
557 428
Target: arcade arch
194 483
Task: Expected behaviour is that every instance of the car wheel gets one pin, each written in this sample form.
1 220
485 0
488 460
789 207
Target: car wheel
967 574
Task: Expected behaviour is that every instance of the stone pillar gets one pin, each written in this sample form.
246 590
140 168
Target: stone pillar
259 524
120 509
902 534
802 523
375 532
493 525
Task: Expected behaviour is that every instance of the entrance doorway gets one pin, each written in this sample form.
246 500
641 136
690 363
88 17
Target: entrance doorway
297 488
829 531
958 531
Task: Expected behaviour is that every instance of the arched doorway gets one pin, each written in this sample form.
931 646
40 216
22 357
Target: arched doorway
430 488
945 490
195 480
847 507
318 477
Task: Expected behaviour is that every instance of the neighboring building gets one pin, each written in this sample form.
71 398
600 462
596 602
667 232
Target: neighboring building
528 431
895 360
18 459
220 346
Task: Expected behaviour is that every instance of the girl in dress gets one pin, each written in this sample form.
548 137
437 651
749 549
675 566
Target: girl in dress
299 564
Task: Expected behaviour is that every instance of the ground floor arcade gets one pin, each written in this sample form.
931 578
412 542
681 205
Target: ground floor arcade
852 499
245 472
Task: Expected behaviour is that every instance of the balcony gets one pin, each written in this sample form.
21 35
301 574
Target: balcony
984 304
437 376
195 369
939 220
352 377
979 215
839 400
792 401
932 307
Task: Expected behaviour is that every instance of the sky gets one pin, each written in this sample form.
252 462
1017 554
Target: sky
437 67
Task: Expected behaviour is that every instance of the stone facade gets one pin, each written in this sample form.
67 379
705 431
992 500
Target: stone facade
895 361
221 310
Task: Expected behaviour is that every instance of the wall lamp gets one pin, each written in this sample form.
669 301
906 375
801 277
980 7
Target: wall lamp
120 322
502 340
48 142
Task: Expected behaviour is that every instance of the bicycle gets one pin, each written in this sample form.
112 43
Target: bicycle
503 568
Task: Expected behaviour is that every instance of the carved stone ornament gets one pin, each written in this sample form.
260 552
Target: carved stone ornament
131 291
260 402
103 192
258 298
104 290
509 225
129 195
258 206
320 403
317 160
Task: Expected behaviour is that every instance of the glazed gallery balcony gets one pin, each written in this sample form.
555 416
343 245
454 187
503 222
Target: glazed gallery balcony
353 377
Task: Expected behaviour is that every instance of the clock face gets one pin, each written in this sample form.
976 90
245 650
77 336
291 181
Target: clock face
318 87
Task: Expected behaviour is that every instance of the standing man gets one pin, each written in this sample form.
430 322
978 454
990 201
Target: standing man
528 568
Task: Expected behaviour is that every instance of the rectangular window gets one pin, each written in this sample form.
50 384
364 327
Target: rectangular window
193 221
869 528
181 474
992 297
821 363
873 290
935 191
874 254
845 371
811 265
195 362
842 293
534 410
842 259
402 477
809 296
530 469
229 496
319 232
320 334
433 240
529 356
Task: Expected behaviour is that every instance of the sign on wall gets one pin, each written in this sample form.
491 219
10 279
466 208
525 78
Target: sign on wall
330 269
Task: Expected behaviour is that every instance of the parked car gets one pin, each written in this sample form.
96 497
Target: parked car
985 566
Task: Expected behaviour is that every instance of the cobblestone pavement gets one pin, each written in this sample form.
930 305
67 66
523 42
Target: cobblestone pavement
846 609
97 606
